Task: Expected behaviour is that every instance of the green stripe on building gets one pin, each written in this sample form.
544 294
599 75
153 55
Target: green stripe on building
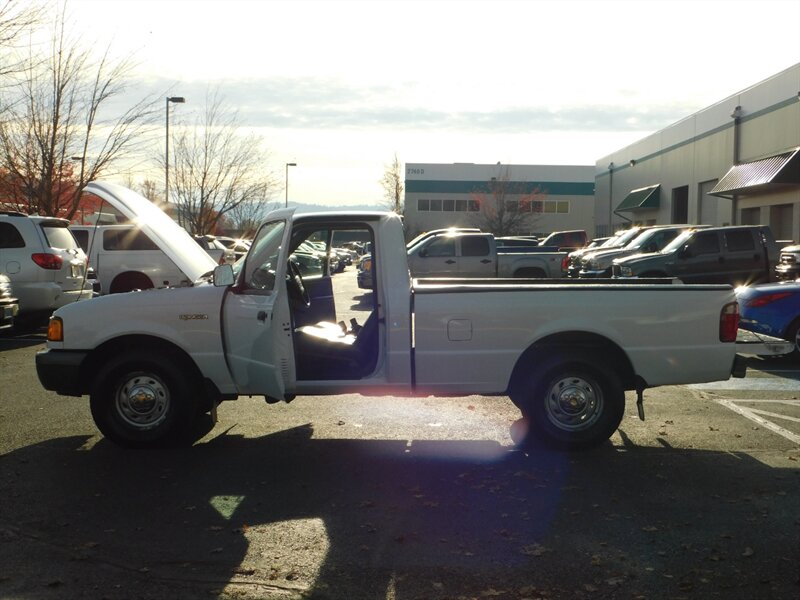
551 188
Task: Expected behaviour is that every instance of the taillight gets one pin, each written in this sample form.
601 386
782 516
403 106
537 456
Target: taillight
767 299
52 262
729 322
565 263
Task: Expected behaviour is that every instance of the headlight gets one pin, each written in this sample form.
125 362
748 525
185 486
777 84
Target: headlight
626 271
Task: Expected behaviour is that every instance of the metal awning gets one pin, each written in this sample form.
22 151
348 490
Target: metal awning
759 176
641 199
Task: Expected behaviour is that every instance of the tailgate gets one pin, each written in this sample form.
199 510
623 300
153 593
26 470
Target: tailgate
759 344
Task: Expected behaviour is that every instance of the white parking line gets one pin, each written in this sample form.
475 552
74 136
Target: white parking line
753 415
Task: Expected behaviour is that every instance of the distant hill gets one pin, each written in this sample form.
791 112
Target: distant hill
305 208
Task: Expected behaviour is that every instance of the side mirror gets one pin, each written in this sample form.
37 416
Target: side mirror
685 252
223 276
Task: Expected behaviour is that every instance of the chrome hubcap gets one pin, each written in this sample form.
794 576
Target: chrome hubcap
142 401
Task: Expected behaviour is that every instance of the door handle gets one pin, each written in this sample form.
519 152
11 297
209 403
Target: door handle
485 261
450 262
262 316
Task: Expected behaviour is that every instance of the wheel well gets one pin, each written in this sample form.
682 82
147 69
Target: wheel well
153 345
130 280
568 343
534 272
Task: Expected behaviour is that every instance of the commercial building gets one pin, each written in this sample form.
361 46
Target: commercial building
553 198
736 162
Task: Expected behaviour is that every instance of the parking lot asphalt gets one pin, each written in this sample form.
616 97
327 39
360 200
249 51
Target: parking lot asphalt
400 498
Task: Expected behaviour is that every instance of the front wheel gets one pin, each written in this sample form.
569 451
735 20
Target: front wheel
572 402
143 400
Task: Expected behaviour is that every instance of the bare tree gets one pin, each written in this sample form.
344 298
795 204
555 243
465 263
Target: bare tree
215 169
392 184
16 20
506 208
246 217
58 133
151 190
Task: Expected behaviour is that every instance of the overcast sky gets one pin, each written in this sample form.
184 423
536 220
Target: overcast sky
340 87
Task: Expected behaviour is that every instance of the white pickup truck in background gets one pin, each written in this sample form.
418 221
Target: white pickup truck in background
124 258
475 254
153 361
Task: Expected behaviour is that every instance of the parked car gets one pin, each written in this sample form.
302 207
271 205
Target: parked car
788 266
737 255
8 303
618 240
44 262
364 275
126 259
650 239
566 240
772 309
216 249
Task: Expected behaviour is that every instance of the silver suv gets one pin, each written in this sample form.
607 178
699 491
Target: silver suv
45 264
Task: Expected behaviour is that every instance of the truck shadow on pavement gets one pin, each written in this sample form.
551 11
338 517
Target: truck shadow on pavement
290 516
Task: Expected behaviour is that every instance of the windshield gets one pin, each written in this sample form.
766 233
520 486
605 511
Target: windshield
626 236
678 241
261 264
641 239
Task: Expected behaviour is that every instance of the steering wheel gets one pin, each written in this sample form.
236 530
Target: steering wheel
296 288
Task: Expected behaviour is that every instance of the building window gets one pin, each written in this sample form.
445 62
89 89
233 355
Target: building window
448 205
473 206
461 206
436 205
562 207
423 205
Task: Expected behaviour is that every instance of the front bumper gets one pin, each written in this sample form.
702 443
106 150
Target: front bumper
787 272
60 371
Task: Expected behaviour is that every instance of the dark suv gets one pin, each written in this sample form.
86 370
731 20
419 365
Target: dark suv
736 255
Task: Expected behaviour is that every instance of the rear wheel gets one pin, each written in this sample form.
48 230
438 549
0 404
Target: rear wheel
573 402
144 400
127 282
793 335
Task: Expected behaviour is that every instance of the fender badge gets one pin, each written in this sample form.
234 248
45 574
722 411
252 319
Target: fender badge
193 317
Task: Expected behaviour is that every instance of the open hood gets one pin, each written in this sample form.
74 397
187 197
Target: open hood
170 237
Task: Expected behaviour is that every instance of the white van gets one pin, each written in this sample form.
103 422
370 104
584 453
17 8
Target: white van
125 259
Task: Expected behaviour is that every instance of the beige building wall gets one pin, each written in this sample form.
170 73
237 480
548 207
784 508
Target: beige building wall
688 158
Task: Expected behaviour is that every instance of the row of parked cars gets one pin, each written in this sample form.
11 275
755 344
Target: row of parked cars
765 275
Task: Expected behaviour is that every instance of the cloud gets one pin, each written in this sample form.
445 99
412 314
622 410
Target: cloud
326 103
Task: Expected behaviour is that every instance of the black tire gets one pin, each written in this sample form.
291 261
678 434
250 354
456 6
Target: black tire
144 399
530 273
793 335
573 402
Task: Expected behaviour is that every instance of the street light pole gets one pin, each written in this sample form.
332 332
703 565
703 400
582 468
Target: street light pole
286 205
178 100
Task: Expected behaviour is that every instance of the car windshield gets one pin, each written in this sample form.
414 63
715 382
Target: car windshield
641 239
678 241
626 236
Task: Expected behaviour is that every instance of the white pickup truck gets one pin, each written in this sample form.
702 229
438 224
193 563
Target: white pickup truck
153 361
475 254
